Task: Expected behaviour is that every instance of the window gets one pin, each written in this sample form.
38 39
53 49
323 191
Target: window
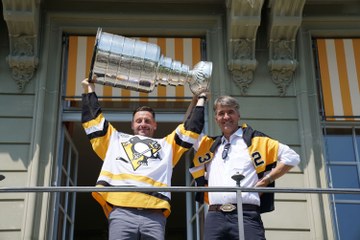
117 104
338 64
65 201
342 147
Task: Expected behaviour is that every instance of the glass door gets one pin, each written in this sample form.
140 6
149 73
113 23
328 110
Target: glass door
65 201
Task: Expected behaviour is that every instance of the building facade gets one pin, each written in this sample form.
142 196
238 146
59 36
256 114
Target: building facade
294 65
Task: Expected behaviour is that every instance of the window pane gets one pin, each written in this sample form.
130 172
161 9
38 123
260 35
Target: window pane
339 147
71 205
64 178
66 154
73 168
345 177
60 225
357 132
68 230
62 199
348 223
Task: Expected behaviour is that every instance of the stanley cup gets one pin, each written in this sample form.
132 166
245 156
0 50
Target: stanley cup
127 63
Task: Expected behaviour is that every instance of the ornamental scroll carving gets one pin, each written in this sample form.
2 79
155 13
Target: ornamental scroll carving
282 73
285 20
22 61
242 66
283 65
22 17
243 20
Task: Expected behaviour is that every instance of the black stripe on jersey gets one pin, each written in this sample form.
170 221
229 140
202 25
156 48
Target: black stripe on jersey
270 166
99 133
158 195
267 168
182 143
200 182
249 134
90 108
216 143
103 183
154 194
195 121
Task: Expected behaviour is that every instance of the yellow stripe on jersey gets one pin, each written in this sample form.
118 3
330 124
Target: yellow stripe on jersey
263 147
197 172
124 176
96 123
130 199
186 135
203 154
100 145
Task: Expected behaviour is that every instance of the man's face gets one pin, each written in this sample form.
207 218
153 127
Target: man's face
143 124
227 118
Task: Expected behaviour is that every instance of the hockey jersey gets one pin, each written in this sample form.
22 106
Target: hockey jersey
133 160
263 151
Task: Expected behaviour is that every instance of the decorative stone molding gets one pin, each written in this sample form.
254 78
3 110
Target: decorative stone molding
285 20
243 73
282 73
243 20
21 17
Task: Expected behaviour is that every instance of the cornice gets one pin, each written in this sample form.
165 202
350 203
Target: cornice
21 17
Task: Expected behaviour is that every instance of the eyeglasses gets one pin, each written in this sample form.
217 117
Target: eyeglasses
225 151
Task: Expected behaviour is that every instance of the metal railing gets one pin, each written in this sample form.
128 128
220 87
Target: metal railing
178 189
238 190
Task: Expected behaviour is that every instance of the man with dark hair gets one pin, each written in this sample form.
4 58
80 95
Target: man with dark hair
239 150
138 160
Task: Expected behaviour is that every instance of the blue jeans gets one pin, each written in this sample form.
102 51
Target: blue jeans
224 226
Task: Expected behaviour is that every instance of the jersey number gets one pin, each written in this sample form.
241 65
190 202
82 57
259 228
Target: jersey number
257 159
204 159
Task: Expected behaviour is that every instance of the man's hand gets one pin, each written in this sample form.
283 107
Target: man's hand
202 98
196 101
87 86
265 181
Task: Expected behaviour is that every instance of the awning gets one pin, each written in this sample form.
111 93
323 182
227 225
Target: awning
339 61
80 50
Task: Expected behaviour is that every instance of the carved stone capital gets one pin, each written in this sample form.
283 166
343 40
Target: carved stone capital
242 73
22 69
282 72
21 17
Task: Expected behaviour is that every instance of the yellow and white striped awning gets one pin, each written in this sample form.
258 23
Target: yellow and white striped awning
339 61
185 50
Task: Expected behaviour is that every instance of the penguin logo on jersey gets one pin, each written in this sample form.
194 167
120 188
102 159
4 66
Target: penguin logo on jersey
140 150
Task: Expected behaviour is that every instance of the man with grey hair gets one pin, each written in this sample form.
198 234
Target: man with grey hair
239 150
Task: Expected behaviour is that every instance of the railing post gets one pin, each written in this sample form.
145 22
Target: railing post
238 178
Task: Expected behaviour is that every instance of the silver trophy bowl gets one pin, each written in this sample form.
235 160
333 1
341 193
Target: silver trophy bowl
132 64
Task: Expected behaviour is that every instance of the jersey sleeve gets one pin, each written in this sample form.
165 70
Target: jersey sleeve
97 128
186 134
